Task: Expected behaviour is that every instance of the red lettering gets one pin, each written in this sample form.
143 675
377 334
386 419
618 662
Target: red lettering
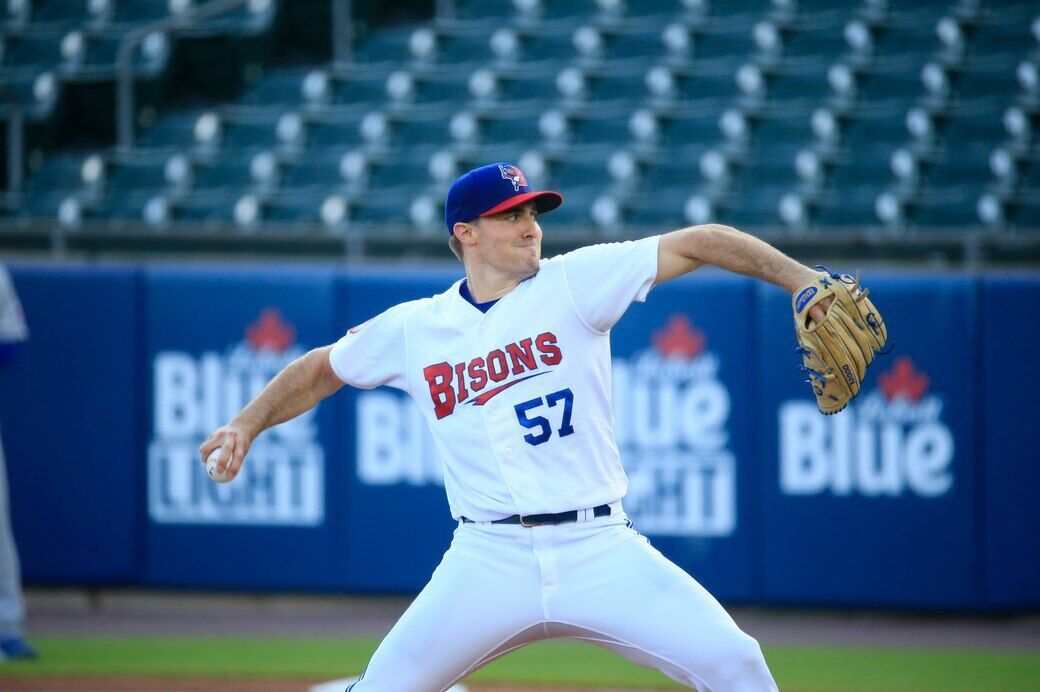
477 374
522 360
450 385
438 377
460 378
551 353
497 366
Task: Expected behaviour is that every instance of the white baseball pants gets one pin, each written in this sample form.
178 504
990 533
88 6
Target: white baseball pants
12 606
502 586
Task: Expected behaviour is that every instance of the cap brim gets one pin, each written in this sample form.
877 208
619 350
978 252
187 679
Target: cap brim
545 200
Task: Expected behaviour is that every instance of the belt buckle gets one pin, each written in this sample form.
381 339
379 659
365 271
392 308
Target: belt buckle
524 523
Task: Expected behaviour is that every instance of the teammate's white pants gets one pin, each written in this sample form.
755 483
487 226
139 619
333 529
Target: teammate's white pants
12 607
502 586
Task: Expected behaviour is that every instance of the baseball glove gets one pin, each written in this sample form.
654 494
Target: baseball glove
836 351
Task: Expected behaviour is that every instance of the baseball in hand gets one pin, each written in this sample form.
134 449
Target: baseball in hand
211 468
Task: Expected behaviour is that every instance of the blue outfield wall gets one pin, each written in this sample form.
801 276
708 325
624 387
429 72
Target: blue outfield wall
395 508
70 409
925 493
877 504
1010 477
213 338
684 414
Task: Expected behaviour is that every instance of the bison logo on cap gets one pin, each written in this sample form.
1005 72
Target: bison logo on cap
513 175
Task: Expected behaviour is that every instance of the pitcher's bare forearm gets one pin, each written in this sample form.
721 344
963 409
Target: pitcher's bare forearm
730 249
296 389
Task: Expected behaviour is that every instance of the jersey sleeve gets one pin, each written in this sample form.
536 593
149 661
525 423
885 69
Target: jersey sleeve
374 352
605 279
12 321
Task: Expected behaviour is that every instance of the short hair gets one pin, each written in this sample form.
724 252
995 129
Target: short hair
456 246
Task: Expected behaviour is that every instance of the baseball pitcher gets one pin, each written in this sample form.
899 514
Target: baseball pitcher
511 369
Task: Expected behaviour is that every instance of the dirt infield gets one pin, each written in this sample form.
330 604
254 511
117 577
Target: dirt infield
129 613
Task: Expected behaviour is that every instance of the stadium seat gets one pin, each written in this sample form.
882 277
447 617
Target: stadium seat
698 82
620 10
673 171
817 41
716 40
285 87
910 41
573 214
847 172
1010 211
1015 169
147 173
495 11
61 174
588 127
386 45
755 205
223 174
949 207
113 14
946 86
449 46
852 86
359 86
500 88
575 167
40 50
420 128
576 85
760 85
849 207
594 44
447 87
657 112
386 206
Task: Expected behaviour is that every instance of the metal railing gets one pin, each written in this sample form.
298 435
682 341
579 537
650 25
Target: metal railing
934 248
15 144
342 32
125 61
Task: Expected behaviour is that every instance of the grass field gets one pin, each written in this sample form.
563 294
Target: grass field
557 663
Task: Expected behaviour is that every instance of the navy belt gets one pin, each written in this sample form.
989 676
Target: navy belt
545 519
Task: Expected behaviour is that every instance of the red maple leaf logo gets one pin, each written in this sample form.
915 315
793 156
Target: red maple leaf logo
903 380
270 332
679 339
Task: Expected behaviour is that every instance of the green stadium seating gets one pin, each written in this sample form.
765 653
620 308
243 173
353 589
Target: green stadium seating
854 113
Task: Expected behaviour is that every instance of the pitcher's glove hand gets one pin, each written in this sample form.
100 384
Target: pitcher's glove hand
836 351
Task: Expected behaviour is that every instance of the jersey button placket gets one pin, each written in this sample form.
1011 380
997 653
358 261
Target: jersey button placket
496 420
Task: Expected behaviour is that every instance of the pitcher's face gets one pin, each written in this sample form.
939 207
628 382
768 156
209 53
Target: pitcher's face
511 241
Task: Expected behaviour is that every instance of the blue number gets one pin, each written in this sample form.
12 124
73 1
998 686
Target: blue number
536 422
568 401
541 421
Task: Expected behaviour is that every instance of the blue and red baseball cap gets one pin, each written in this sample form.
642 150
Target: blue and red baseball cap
493 189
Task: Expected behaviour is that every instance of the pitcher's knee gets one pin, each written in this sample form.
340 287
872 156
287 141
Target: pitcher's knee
739 666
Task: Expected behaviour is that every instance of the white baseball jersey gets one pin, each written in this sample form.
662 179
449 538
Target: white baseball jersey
517 398
12 321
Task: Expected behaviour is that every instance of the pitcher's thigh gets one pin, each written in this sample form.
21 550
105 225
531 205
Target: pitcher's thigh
472 608
637 603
